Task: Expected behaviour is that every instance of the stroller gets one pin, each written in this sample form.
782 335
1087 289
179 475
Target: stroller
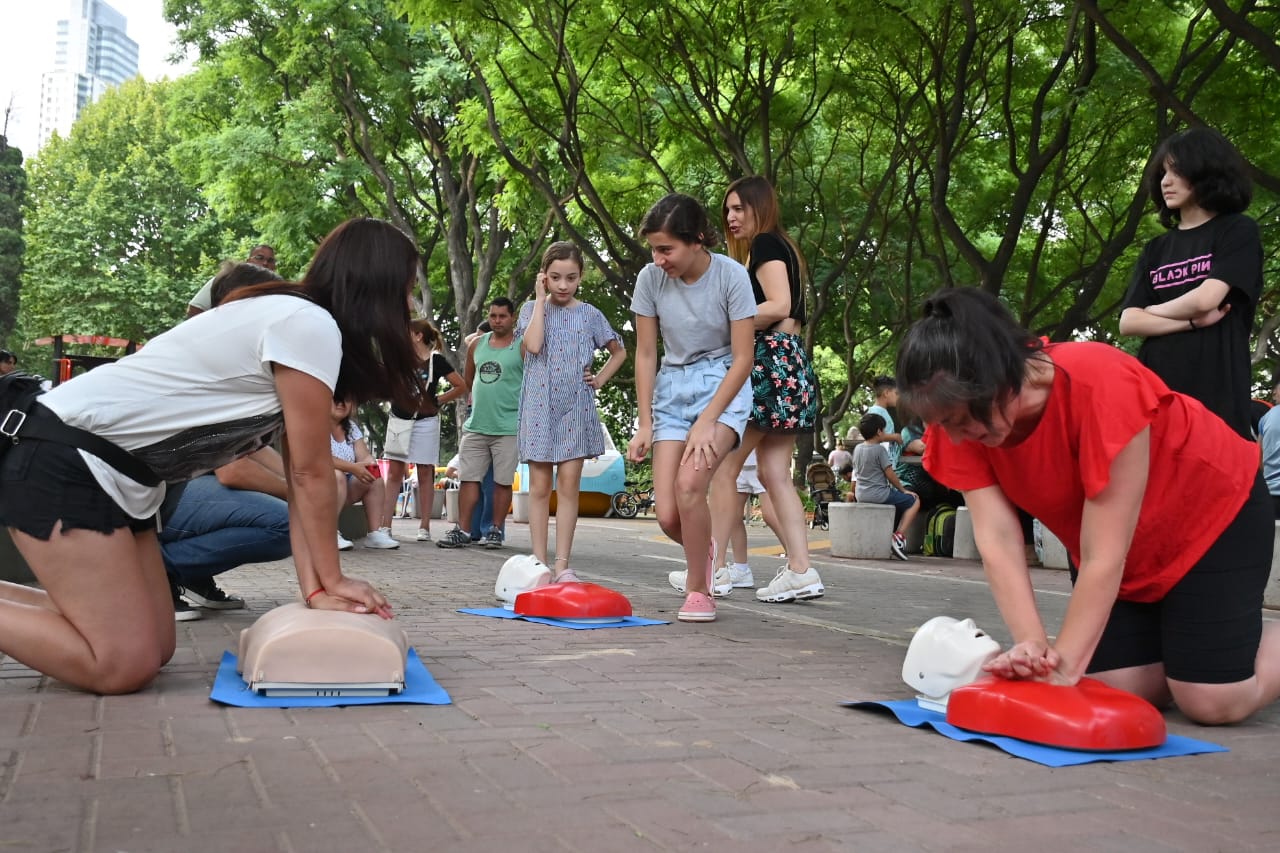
823 489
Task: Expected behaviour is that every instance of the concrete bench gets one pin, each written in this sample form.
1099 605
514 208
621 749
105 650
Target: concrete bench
964 546
861 530
1053 554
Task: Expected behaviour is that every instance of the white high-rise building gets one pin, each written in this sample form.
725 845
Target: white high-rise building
93 54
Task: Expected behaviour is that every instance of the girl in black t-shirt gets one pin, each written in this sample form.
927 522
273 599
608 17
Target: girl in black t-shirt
1195 288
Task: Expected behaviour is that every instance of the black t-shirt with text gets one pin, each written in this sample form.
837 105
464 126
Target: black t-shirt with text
1210 364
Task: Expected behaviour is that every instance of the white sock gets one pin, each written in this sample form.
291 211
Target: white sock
742 567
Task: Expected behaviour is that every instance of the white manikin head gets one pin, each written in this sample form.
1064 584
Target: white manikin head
944 654
521 573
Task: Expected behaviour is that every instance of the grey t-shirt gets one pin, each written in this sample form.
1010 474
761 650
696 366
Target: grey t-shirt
693 319
869 462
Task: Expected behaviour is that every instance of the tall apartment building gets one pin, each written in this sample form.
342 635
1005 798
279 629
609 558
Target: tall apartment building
93 54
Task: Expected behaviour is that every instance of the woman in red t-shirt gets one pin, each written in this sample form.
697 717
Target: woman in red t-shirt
1159 503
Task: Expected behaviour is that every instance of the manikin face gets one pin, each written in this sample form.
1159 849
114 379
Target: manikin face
674 256
1176 189
562 281
739 218
944 654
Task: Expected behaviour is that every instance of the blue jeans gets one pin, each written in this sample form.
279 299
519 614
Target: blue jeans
482 516
214 529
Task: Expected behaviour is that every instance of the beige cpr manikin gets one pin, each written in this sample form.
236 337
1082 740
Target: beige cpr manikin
296 650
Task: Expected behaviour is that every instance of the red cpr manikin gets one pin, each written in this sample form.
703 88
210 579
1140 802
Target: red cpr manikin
1089 715
574 601
944 662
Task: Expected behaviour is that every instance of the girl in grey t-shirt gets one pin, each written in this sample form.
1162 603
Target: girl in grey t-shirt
691 412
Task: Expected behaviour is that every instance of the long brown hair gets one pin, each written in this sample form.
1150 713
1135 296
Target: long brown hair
758 194
361 274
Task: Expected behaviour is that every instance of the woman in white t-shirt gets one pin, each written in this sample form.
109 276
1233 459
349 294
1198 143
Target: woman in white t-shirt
265 364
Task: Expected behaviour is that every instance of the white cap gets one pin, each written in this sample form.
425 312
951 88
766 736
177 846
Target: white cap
944 654
521 573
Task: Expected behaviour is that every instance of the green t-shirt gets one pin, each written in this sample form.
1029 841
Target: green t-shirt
495 388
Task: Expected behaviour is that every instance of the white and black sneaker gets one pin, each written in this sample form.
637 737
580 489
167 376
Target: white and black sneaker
899 546
455 538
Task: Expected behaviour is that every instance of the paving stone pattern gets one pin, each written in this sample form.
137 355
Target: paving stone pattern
725 736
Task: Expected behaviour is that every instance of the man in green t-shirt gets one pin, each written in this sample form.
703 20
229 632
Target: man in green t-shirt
494 371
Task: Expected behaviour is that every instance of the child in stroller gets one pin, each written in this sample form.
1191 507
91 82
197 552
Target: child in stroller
823 489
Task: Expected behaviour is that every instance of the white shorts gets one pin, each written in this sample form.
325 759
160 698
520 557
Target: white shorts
749 481
424 443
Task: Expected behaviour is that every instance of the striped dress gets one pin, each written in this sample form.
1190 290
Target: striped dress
558 419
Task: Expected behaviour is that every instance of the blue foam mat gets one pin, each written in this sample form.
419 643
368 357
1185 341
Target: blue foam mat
503 613
419 689
909 712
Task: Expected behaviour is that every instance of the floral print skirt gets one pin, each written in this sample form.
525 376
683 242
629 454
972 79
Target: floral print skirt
784 388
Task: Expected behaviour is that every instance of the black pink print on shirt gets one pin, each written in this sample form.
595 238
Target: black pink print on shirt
1187 271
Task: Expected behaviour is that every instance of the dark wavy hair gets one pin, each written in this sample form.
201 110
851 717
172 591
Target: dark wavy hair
684 218
362 274
966 349
1210 163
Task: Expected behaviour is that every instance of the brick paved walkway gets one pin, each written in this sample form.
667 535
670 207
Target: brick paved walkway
717 737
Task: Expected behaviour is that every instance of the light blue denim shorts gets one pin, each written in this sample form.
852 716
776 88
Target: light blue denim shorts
682 393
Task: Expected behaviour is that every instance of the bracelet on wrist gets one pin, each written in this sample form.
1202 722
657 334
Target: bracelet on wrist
307 600
1193 323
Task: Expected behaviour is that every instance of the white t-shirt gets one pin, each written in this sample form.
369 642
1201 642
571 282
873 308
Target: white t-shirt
694 319
200 395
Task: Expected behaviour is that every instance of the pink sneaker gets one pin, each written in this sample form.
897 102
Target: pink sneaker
697 607
567 576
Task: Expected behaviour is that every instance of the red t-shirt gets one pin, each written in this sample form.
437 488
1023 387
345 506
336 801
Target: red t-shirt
1200 473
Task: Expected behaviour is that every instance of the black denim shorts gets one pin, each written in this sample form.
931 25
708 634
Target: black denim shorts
44 482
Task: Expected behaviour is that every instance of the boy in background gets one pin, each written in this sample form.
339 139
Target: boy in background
877 483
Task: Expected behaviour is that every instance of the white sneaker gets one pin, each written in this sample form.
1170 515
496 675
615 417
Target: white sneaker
741 578
723 585
424 535
345 544
792 586
381 539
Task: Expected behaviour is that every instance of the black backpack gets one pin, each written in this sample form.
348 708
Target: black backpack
940 531
22 416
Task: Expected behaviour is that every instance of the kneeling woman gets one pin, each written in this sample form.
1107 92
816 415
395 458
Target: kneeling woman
213 388
1160 504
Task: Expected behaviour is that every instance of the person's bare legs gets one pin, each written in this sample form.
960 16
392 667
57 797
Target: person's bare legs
427 495
737 531
539 506
468 497
395 482
908 516
110 625
568 484
1216 704
773 464
683 511
724 488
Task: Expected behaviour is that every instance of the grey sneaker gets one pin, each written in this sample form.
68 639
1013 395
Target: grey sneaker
455 538
493 539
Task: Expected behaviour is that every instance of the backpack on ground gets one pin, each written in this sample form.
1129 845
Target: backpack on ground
940 531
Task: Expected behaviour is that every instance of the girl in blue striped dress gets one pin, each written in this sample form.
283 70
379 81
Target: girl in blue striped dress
559 427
